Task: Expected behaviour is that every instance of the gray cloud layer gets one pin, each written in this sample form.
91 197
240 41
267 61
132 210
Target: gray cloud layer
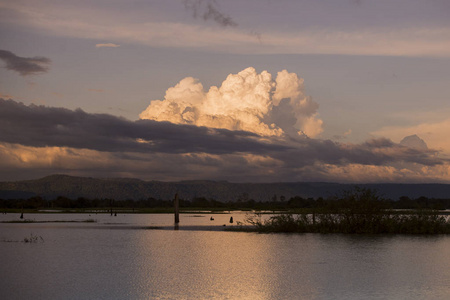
48 126
24 65
376 152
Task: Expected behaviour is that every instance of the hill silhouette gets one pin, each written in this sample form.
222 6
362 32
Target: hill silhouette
52 186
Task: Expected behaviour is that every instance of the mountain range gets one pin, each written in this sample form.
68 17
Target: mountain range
52 186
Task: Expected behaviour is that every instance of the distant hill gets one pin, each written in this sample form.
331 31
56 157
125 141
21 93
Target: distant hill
127 188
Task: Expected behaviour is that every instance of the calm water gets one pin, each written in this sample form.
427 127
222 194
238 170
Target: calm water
123 258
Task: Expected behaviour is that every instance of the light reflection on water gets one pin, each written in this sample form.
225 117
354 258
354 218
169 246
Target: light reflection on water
124 261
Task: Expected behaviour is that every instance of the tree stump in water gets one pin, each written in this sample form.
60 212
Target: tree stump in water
176 204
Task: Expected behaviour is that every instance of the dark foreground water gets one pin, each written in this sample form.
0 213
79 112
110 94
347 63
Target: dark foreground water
124 258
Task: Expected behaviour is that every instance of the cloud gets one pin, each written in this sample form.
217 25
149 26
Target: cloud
18 161
41 126
414 142
208 10
245 101
315 154
358 173
6 96
342 136
108 45
25 65
422 40
43 140
434 133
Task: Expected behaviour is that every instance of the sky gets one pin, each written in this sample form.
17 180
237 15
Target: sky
351 91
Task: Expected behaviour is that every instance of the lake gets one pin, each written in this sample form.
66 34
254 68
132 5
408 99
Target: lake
125 257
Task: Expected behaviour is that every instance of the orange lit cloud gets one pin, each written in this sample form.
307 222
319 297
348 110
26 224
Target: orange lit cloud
6 96
245 101
16 159
107 45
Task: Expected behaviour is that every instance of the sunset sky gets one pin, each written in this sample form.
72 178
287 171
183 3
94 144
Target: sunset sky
238 90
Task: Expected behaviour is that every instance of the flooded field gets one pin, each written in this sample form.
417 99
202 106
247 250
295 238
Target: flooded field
142 256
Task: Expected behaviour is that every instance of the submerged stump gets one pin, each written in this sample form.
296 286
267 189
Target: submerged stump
176 205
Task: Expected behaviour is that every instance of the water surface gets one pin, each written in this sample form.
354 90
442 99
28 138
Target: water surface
124 258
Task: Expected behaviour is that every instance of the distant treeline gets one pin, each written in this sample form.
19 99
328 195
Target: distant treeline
201 202
357 212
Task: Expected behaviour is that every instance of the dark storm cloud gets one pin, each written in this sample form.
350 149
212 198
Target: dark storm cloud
378 152
49 126
24 65
208 10
41 126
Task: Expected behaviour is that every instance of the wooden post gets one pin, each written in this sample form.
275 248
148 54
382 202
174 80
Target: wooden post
176 204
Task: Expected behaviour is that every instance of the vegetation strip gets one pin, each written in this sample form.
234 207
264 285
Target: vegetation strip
358 212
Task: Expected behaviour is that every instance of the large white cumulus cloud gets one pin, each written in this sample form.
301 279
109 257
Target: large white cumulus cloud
245 101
